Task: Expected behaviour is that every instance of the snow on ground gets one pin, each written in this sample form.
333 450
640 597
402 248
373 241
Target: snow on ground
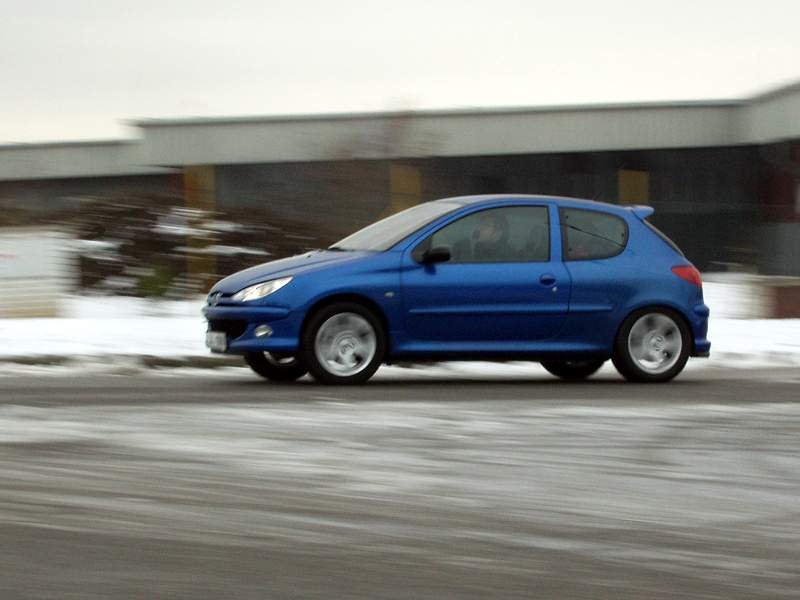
96 327
739 339
103 325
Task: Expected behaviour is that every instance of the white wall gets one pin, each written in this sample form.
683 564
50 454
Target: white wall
174 143
81 159
773 117
453 133
36 271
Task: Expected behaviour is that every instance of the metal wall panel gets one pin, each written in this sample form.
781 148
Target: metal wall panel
37 269
439 134
79 159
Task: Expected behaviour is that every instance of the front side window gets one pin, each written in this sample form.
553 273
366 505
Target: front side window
508 234
590 234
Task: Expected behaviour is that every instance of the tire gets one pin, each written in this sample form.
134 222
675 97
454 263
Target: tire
573 370
275 368
343 343
652 345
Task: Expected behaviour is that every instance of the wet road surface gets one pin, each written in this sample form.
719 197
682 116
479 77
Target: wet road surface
220 486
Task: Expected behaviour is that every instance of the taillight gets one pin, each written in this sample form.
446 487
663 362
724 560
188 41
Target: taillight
688 273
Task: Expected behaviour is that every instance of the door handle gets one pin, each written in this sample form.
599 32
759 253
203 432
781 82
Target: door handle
547 279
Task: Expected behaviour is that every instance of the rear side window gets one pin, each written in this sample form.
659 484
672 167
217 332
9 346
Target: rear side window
590 234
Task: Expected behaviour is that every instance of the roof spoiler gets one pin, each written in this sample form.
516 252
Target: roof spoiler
642 211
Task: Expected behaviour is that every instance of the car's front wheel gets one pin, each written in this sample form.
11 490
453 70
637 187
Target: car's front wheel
573 370
343 343
652 345
275 367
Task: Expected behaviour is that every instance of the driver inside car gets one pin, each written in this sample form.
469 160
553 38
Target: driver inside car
491 238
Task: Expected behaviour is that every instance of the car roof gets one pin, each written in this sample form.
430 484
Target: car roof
559 200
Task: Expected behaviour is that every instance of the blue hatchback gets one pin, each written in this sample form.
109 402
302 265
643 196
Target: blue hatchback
570 283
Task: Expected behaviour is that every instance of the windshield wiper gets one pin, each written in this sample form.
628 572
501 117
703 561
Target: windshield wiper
602 237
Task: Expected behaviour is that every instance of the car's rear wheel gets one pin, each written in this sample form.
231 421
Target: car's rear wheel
652 345
343 343
573 370
275 367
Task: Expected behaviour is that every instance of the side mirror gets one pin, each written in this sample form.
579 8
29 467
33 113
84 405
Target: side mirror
436 254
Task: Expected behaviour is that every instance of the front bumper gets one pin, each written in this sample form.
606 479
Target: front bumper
239 324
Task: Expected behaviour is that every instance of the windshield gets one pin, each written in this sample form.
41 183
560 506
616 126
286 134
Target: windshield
387 232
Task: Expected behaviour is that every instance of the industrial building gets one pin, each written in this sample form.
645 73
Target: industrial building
723 176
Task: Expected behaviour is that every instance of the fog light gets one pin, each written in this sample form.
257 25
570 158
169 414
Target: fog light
262 331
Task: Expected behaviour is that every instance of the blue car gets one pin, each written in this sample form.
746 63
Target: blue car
569 283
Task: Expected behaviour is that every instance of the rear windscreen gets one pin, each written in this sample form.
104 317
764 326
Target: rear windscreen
663 236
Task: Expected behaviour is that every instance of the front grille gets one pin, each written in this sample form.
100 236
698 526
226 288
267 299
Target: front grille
233 328
218 298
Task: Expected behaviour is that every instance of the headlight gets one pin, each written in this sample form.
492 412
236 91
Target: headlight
259 290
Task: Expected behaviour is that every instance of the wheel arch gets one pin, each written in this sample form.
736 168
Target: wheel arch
355 298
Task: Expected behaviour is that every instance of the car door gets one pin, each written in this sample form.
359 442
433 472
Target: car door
503 288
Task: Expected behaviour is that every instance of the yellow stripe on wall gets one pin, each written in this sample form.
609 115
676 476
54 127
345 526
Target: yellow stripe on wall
199 194
633 186
405 185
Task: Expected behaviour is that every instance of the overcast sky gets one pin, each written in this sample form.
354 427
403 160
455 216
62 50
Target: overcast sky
77 69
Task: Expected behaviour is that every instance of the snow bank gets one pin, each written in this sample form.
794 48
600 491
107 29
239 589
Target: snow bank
102 326
95 326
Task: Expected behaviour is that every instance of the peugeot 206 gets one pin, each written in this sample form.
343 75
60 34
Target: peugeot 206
569 283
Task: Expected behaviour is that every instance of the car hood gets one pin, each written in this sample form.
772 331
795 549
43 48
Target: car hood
293 265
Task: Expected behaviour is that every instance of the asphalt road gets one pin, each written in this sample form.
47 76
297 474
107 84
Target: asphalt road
220 486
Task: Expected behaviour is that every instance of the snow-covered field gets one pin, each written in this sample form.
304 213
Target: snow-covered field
93 328
103 325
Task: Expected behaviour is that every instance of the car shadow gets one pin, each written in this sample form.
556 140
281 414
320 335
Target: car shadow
467 381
